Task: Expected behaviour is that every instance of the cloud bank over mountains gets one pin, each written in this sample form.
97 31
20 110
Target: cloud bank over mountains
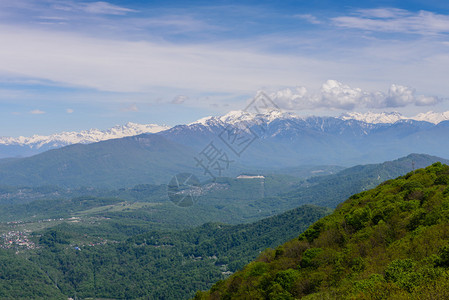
336 95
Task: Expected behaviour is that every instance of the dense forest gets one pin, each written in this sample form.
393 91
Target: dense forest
391 242
157 264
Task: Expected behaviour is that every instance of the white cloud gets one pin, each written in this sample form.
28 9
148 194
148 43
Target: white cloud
105 8
53 18
125 66
140 66
179 99
99 7
383 13
37 112
174 24
399 96
336 95
309 18
395 20
130 108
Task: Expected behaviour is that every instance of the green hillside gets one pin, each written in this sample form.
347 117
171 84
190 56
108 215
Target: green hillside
21 279
113 163
391 242
331 190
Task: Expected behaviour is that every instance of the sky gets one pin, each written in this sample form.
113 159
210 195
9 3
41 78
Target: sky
73 65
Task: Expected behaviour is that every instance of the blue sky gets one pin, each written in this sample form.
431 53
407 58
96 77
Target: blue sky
72 65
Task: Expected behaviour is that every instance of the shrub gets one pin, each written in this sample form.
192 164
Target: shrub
401 272
358 218
308 256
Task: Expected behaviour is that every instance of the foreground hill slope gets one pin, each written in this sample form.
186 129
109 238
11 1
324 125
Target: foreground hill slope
390 242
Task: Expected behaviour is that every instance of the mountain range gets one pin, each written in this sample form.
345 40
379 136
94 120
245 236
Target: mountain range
27 146
392 117
238 142
283 139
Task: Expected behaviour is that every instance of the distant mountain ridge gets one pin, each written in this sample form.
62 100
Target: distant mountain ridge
27 146
234 117
393 117
284 139
274 139
145 158
85 136
24 146
374 118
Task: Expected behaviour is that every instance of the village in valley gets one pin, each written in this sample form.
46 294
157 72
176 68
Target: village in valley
18 240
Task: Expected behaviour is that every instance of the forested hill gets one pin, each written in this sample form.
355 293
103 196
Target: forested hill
153 265
331 190
391 242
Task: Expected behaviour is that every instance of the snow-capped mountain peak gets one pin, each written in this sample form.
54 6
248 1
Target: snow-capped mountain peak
231 117
374 118
238 116
203 121
392 117
433 117
83 137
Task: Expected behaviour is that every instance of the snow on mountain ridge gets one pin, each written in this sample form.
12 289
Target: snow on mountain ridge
389 118
433 117
233 118
238 116
83 137
374 118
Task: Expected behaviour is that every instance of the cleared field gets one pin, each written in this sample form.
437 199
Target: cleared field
118 207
